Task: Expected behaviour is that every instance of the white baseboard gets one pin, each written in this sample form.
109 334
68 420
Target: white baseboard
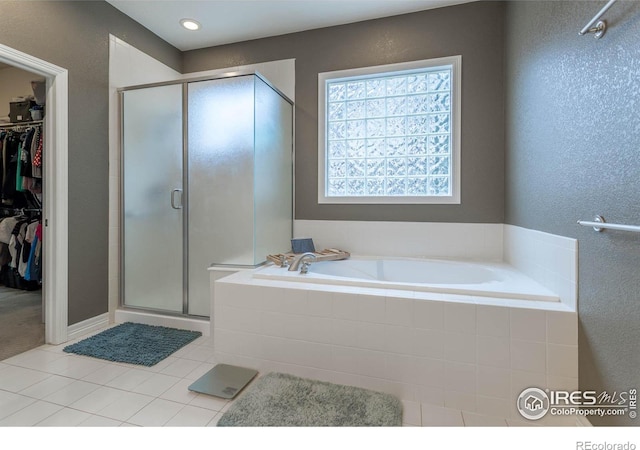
184 323
87 326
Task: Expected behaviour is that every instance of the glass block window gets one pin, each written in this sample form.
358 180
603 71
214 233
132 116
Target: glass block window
390 135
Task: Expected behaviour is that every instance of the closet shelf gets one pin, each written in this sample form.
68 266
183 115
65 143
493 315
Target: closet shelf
21 124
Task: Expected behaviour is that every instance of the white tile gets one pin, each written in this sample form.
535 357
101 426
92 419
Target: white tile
371 336
562 328
15 379
344 359
99 421
400 368
319 303
71 393
479 420
105 374
156 414
371 308
464 401
428 314
562 360
460 377
273 324
294 301
30 415
430 395
214 422
528 325
181 368
460 347
344 332
460 318
204 353
156 385
209 402
34 359
430 372
47 387
493 351
555 382
399 311
380 385
191 416
428 343
125 406
65 417
11 403
492 321
74 366
180 392
522 423
411 413
99 399
345 306
129 379
398 339
199 371
492 406
371 363
309 328
528 356
437 416
493 382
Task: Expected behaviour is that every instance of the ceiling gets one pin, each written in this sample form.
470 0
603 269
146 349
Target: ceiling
228 21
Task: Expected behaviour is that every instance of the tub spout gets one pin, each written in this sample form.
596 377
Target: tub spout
295 265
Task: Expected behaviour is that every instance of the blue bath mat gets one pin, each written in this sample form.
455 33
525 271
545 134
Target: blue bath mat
134 343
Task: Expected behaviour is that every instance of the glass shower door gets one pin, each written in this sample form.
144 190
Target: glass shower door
220 155
152 198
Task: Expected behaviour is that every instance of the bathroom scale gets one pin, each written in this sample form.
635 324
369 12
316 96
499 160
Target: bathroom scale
223 381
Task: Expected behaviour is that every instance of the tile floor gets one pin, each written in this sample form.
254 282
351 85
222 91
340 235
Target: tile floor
47 387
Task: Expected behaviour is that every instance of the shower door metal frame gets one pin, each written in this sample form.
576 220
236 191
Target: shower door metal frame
185 183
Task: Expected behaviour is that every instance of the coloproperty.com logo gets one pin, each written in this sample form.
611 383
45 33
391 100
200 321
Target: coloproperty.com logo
534 403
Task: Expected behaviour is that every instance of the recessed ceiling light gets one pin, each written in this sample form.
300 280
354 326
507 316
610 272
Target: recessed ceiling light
190 24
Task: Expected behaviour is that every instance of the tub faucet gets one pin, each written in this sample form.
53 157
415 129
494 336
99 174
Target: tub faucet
302 260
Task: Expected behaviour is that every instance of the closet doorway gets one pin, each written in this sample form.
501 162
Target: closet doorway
54 190
22 108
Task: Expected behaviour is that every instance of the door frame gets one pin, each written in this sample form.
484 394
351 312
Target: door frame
55 242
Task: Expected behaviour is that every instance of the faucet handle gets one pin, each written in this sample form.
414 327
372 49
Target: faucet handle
284 262
305 267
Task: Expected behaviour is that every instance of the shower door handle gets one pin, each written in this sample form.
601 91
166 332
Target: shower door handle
173 198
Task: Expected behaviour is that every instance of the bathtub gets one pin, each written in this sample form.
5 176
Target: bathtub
425 275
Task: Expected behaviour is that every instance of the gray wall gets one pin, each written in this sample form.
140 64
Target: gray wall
75 35
573 151
473 30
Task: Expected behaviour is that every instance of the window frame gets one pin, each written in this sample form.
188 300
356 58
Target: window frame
455 62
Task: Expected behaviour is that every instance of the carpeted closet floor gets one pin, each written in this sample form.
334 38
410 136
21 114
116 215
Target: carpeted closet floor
21 326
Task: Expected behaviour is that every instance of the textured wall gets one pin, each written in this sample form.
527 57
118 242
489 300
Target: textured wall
473 30
573 151
75 35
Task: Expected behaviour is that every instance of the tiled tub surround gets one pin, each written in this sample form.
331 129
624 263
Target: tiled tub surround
548 259
469 353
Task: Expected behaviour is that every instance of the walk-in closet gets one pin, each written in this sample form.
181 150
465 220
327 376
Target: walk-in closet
21 185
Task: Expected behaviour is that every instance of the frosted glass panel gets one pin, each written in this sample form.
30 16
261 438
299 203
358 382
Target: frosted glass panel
220 155
152 147
273 173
